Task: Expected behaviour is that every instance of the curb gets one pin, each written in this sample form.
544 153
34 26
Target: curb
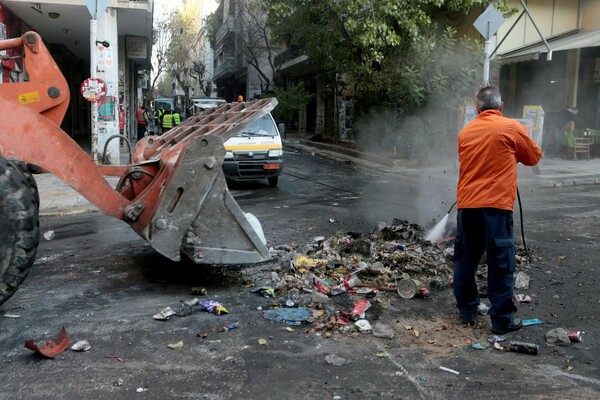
573 182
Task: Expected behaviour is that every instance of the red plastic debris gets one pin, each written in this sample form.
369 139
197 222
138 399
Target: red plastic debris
53 347
359 308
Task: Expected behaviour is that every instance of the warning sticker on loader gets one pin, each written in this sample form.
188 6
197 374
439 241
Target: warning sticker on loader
31 97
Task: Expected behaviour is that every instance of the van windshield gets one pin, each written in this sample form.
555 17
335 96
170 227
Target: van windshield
262 127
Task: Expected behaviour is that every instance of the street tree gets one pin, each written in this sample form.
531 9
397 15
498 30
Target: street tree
394 53
160 43
183 30
256 38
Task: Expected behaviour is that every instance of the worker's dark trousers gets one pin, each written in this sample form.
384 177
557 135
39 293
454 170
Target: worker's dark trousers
488 229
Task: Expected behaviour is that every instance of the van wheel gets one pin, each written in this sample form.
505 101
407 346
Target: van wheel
273 181
19 226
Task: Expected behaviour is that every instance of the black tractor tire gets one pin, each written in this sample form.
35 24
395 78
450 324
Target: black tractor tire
19 226
26 170
273 181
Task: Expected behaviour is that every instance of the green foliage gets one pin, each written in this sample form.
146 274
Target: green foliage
290 100
164 88
211 25
397 59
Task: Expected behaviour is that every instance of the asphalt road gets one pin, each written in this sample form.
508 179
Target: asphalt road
103 284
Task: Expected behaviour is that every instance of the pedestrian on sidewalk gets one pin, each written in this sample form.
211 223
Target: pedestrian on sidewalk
489 148
142 122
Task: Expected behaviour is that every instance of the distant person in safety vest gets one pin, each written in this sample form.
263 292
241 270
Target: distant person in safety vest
167 121
489 148
170 120
159 118
142 122
177 117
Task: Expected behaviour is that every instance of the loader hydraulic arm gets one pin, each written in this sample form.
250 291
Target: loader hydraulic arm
174 195
33 111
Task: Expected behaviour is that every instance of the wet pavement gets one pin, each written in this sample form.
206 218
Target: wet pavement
104 284
58 198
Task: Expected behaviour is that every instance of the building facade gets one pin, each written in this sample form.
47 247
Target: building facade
549 55
122 52
243 53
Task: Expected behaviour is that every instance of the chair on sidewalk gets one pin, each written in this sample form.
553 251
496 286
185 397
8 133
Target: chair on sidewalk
576 145
581 146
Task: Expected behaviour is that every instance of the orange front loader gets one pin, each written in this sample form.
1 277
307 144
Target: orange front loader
174 194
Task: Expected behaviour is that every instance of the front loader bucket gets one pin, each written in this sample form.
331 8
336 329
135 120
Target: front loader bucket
198 216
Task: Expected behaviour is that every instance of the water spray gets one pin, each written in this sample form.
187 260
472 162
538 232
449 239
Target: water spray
438 230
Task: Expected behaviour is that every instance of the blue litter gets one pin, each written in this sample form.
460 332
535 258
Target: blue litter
533 321
481 345
300 314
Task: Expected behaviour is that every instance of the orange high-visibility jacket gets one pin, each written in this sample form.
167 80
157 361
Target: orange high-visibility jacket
489 148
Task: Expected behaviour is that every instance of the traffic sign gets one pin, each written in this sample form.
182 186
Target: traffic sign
489 22
97 7
93 89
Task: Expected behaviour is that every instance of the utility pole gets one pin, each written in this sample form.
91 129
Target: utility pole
487 24
96 8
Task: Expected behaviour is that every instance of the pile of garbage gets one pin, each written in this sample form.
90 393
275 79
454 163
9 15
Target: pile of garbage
382 260
394 259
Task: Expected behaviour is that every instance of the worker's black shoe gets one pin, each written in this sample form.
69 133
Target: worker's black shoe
514 325
469 321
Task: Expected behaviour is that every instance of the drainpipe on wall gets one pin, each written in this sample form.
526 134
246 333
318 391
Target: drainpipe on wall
571 78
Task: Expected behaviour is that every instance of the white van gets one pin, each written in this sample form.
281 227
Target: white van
256 152
202 104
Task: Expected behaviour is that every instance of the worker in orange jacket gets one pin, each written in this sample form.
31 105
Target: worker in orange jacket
489 148
143 121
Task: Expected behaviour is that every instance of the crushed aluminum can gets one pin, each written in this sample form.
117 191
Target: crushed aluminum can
364 326
82 345
523 298
575 336
496 339
321 285
165 314
360 307
483 309
347 285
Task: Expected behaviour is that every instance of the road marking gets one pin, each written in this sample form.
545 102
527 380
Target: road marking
557 371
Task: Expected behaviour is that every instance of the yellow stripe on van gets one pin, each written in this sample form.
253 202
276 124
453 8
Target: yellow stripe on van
242 147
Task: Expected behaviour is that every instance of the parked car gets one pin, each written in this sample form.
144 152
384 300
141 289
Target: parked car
256 152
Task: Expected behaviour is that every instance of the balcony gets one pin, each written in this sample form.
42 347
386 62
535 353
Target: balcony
288 55
225 69
224 30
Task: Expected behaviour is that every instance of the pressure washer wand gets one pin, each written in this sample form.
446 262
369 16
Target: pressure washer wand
452 206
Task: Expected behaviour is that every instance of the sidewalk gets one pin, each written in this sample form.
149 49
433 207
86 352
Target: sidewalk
57 198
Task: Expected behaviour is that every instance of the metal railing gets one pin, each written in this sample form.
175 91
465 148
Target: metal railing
227 66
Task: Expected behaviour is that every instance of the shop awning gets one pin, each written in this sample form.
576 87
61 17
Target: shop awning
568 41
